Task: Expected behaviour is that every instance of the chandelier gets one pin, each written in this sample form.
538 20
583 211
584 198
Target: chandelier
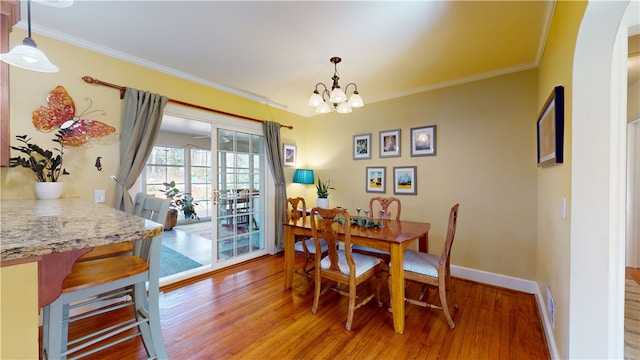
337 97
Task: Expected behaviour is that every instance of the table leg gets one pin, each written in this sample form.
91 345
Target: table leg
289 256
397 287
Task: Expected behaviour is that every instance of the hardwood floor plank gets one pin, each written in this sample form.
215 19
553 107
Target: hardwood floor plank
245 313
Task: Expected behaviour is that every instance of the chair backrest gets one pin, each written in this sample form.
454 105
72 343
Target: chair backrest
451 233
154 209
384 204
328 224
294 208
138 200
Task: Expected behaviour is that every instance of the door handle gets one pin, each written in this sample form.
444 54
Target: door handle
216 197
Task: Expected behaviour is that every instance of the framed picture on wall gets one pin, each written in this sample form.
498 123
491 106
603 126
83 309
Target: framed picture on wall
362 146
551 129
404 180
289 152
423 141
390 143
376 179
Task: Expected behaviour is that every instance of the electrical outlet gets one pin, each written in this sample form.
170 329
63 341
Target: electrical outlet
98 196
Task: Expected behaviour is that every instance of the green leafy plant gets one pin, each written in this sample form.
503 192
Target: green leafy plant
46 166
187 205
323 188
180 201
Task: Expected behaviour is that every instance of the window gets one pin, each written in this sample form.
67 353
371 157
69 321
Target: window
189 167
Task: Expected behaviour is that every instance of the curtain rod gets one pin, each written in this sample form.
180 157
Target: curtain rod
91 80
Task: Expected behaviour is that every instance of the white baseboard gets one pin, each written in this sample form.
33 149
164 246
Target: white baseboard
528 286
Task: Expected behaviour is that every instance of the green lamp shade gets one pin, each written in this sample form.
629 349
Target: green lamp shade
303 176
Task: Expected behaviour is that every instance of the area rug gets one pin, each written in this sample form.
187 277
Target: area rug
173 262
202 229
632 321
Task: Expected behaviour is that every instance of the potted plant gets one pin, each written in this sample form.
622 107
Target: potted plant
179 202
187 206
45 164
323 188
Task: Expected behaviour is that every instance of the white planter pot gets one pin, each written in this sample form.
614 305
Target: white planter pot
48 190
322 202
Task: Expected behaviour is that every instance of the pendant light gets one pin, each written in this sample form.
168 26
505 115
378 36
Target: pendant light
27 55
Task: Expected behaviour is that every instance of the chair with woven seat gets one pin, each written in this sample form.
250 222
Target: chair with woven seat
114 277
305 246
383 205
434 271
341 266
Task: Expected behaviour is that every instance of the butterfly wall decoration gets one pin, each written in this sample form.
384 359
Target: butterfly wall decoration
61 113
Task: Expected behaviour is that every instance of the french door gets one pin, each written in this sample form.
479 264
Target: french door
238 195
230 180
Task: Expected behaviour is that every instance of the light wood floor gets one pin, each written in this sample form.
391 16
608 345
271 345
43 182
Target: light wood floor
245 313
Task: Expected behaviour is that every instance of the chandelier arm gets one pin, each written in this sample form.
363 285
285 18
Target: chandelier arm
347 87
323 85
325 92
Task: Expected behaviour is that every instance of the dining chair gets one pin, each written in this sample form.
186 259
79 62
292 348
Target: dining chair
341 266
138 201
434 271
111 277
383 204
296 210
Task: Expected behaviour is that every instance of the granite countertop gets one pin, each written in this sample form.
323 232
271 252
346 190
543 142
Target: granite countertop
40 227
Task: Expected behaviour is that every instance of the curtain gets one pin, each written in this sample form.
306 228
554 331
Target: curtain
272 136
140 127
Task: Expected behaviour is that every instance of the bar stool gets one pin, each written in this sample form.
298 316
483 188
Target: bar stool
101 278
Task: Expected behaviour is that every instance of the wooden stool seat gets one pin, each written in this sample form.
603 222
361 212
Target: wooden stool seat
87 274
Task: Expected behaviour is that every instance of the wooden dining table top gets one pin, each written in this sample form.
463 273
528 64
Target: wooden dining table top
392 231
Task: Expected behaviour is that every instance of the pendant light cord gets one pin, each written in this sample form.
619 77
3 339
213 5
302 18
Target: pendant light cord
29 17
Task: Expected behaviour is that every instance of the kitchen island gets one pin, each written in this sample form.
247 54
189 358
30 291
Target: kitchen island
39 242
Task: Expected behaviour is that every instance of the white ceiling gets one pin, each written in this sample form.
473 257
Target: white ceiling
275 52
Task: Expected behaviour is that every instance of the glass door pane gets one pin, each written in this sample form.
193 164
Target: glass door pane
240 183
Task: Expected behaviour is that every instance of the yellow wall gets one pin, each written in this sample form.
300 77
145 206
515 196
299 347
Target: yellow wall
18 310
553 183
486 161
29 90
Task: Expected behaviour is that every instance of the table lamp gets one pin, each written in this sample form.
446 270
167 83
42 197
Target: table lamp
305 177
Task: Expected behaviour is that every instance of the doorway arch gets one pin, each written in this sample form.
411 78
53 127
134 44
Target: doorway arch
596 325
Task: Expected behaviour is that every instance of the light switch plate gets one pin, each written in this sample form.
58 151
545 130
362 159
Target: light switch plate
99 196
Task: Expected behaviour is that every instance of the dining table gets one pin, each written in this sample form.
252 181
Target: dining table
40 240
393 236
